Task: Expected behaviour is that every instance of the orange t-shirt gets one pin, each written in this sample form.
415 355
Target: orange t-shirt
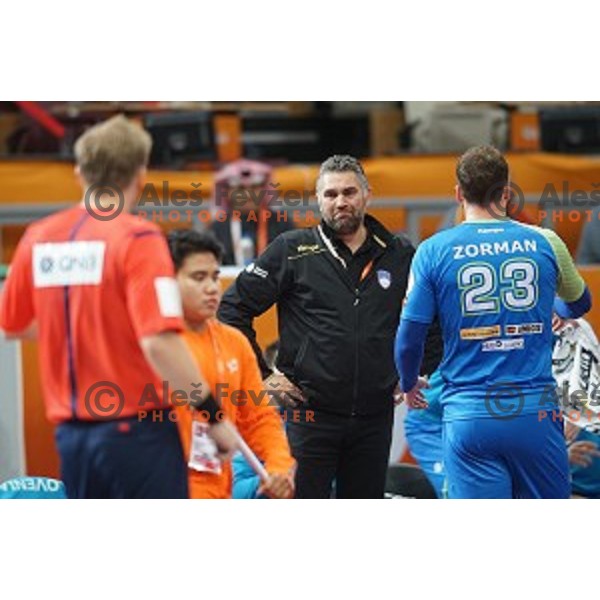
226 358
95 288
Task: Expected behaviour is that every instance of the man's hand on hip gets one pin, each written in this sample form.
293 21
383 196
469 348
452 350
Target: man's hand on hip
283 390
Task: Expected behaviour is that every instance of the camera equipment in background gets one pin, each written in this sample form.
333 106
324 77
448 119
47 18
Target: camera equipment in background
571 129
304 139
181 138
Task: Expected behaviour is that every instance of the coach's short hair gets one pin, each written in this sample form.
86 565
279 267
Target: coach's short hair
482 174
343 163
184 242
112 152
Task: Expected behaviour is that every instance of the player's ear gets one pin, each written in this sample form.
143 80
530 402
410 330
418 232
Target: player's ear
369 196
458 194
143 171
506 197
82 182
142 175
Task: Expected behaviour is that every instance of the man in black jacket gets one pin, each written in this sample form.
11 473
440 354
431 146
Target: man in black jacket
339 288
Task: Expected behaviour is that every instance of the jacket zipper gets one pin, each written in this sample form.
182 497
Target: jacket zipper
357 333
356 349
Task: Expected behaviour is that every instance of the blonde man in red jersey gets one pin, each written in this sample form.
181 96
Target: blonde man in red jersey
230 367
96 286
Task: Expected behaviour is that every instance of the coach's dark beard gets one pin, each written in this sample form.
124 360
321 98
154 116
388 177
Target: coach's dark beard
347 226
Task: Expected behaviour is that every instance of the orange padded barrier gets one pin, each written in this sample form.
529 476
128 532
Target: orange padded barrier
406 176
412 177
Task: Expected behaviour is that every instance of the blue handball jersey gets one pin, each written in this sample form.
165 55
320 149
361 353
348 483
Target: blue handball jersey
493 285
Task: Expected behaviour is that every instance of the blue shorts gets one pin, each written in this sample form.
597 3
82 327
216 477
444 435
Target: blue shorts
516 458
127 458
425 444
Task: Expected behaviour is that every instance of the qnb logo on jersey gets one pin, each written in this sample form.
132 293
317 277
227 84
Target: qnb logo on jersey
68 263
71 263
503 345
46 264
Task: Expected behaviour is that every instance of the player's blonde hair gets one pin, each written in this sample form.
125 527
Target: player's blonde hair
112 152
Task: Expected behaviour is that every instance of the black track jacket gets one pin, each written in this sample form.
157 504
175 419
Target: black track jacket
336 341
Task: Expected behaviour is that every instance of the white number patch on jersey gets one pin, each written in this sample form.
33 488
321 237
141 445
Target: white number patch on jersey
169 298
68 263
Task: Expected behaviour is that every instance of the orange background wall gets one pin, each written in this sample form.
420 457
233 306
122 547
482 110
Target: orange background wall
413 177
398 176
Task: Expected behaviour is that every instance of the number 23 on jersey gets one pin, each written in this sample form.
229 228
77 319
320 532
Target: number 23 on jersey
485 288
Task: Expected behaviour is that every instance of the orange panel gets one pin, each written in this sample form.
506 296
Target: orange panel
40 451
568 225
429 225
228 129
11 234
407 176
393 218
592 278
525 131
170 225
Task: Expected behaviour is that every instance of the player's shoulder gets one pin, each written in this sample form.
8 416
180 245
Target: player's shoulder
233 338
132 237
60 222
400 242
439 248
542 232
440 240
388 240
228 333
293 241
135 226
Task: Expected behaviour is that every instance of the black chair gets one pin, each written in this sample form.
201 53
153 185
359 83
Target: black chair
408 481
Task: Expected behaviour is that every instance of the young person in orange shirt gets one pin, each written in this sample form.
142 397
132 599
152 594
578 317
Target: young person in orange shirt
231 370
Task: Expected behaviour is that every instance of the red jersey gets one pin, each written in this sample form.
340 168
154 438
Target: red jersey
95 289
